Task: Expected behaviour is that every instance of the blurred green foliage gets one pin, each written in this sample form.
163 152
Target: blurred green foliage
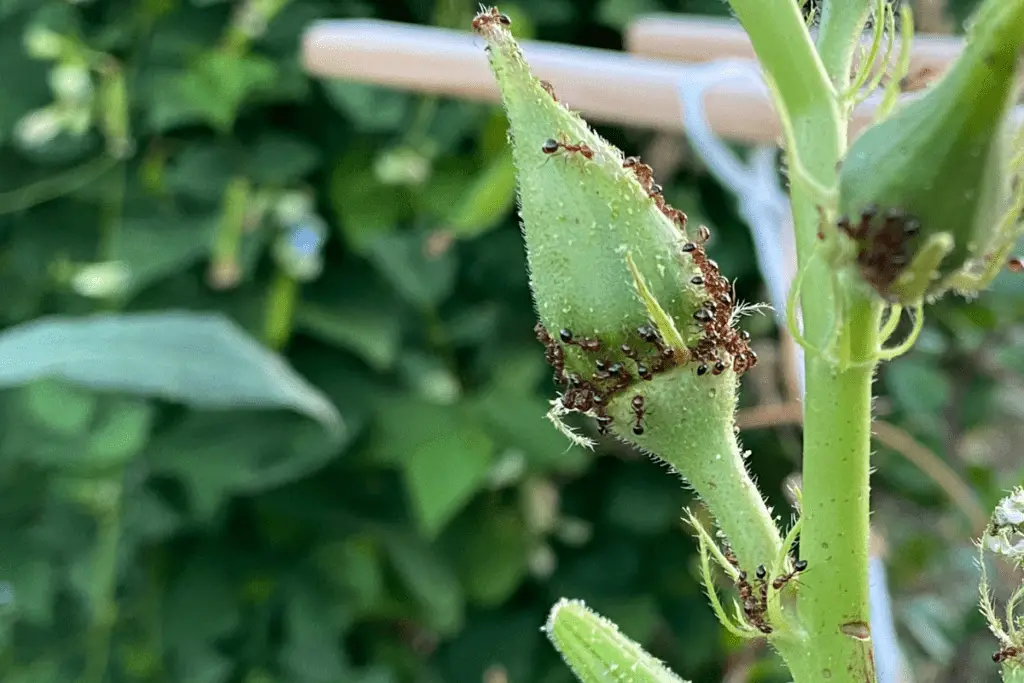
385 502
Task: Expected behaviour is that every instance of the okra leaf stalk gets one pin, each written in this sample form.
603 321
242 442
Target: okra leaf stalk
638 323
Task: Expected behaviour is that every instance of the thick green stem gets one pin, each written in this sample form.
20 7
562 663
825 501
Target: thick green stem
786 53
834 539
717 473
837 421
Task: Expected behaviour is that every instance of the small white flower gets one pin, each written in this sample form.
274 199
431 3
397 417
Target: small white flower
101 280
1010 510
43 43
71 83
39 127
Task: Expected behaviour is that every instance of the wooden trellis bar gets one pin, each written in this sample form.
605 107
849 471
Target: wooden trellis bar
604 85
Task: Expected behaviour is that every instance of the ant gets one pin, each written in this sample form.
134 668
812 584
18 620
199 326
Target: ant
1008 652
1015 264
639 411
584 343
780 581
703 234
551 146
487 17
549 89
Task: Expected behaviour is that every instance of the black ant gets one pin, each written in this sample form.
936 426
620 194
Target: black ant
639 411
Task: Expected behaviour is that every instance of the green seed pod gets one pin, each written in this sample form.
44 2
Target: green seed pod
636 319
934 176
597 652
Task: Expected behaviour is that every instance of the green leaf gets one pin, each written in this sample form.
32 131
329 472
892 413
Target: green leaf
365 207
422 279
122 435
444 457
431 582
443 474
61 408
216 455
372 333
312 648
278 158
157 246
371 108
202 360
487 201
216 86
491 550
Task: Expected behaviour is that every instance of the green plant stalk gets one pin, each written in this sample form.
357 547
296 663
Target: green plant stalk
104 583
280 312
842 24
837 419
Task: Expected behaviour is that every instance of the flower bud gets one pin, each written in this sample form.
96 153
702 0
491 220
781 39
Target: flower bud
936 171
71 83
635 317
38 128
596 651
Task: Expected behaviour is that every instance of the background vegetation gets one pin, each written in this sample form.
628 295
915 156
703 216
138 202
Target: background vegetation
370 236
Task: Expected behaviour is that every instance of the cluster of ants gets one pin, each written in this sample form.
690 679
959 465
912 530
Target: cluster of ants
609 377
755 597
715 315
883 251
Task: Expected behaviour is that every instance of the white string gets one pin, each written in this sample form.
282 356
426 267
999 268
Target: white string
765 207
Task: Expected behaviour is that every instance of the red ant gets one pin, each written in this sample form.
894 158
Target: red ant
551 146
780 581
638 410
549 89
584 343
489 16
1008 652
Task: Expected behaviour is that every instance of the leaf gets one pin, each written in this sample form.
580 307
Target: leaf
311 652
63 409
219 455
487 200
420 278
444 456
202 360
491 550
215 87
372 108
201 602
429 579
364 206
122 435
444 473
278 159
372 333
157 246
